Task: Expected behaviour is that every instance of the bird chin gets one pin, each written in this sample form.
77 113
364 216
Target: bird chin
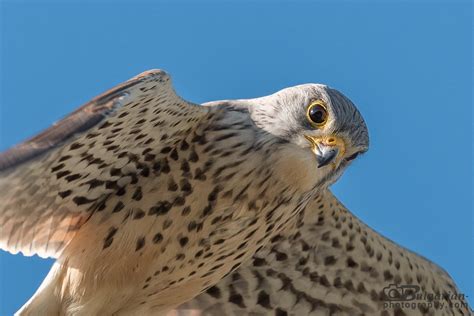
332 175
299 169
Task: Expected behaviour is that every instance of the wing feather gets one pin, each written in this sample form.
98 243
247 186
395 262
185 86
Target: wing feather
49 184
328 263
79 121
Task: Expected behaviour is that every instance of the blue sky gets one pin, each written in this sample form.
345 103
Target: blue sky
406 65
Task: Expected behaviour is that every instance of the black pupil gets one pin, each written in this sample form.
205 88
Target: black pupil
317 114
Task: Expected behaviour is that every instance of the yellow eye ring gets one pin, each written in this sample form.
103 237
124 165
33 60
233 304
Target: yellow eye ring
317 114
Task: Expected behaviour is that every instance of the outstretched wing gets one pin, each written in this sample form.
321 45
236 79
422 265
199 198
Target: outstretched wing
43 193
330 264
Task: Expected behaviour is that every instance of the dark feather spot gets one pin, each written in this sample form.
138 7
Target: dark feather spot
105 125
185 166
110 237
258 262
237 300
166 150
193 156
140 243
174 154
213 195
351 263
183 241
172 185
149 157
387 275
206 211
115 172
64 158
121 191
93 183
80 200
73 177
185 186
264 300
75 146
179 201
280 312
64 194
199 175
323 280
161 208
56 168
138 214
145 172
167 223
214 292
280 256
191 226
186 211
137 195
63 173
118 207
157 238
184 145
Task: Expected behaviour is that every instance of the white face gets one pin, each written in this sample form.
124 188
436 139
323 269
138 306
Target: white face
325 126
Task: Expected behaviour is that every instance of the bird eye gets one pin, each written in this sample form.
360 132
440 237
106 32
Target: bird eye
317 113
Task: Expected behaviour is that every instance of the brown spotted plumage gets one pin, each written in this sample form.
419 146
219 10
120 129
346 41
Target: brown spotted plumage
146 200
330 263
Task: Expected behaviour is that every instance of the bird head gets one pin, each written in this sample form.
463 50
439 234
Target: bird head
317 129
326 127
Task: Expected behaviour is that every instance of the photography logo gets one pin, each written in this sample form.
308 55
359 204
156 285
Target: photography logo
395 292
411 297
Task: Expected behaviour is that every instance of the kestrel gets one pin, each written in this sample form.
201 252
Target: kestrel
146 199
331 263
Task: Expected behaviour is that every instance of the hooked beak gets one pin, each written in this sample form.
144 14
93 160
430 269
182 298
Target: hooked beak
326 155
326 149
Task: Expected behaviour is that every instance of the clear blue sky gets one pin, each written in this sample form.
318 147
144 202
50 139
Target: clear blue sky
406 65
